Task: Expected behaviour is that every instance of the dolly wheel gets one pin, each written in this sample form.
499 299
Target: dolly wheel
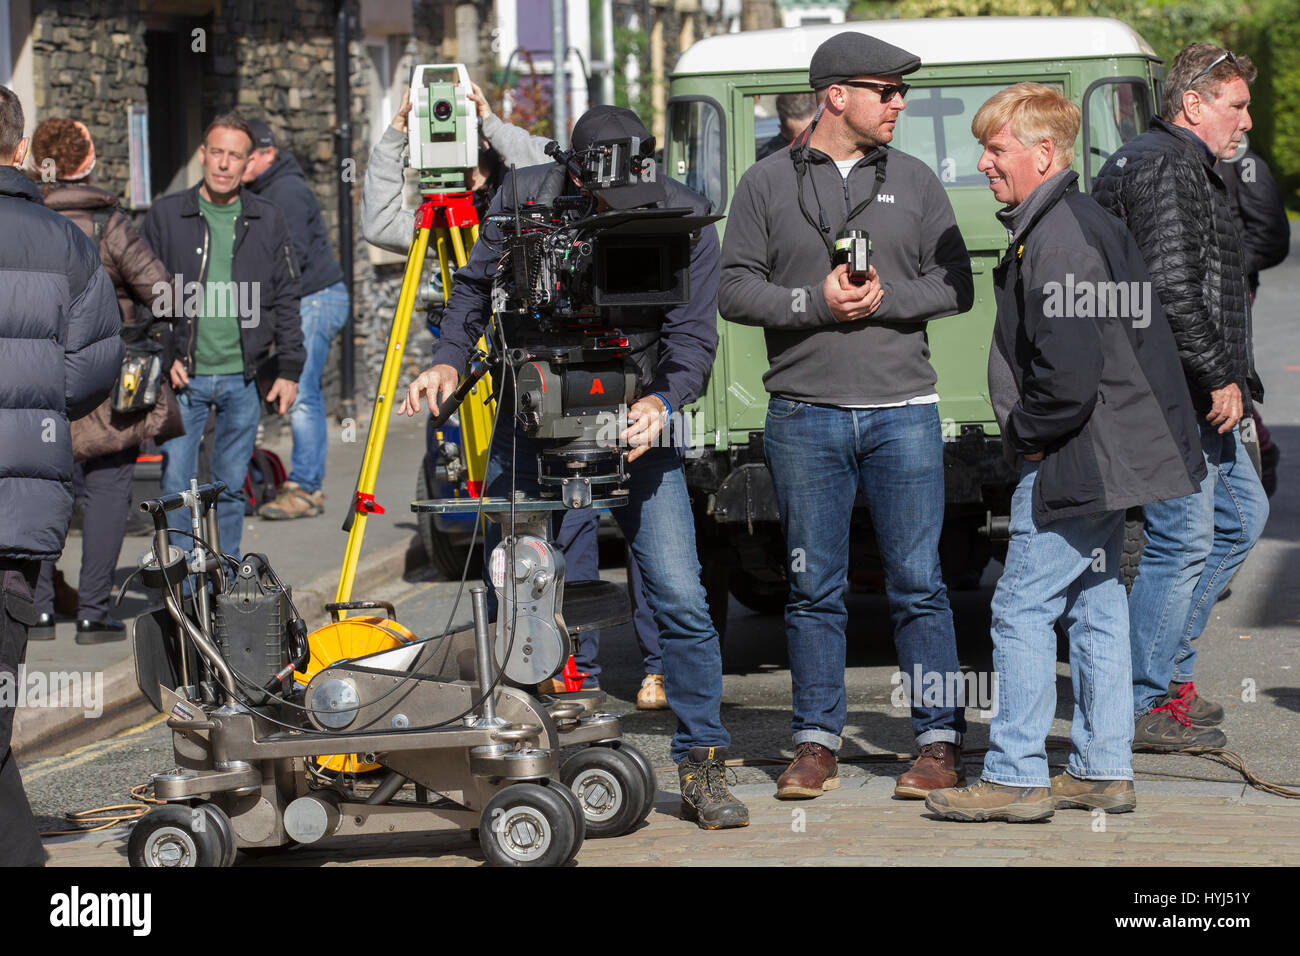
526 824
610 786
579 818
225 832
648 777
174 835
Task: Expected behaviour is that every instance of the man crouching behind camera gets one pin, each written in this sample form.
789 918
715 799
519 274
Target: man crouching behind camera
657 518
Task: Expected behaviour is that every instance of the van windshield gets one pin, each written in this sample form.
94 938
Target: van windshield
935 128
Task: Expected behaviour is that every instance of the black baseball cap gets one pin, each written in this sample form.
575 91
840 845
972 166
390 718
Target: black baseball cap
262 135
851 54
604 123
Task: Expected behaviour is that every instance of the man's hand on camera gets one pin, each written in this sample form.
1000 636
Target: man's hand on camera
180 378
403 111
849 302
480 101
646 420
1226 409
437 383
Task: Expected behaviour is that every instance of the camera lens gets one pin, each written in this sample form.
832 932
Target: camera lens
442 109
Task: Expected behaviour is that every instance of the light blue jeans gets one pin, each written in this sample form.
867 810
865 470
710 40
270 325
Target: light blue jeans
1194 546
239 408
324 314
1067 570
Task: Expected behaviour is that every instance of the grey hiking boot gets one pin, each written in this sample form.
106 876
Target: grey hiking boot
1201 712
991 801
1114 796
705 797
1167 729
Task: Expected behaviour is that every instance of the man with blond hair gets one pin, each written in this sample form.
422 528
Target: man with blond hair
1090 398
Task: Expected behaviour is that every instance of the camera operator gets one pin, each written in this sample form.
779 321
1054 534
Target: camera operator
673 349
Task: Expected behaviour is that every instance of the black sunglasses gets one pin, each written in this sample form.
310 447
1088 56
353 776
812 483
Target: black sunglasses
1227 55
886 90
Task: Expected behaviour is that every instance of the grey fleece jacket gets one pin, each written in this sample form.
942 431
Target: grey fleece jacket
774 262
384 222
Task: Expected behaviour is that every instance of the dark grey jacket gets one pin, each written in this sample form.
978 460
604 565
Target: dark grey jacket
1096 383
60 353
284 184
263 260
1165 188
774 261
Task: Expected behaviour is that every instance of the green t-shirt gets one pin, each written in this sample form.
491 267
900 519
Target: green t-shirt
217 347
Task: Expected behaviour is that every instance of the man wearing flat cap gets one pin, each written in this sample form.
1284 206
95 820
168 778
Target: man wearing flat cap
673 349
852 404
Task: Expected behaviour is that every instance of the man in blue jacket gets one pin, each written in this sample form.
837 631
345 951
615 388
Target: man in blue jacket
60 353
274 174
1090 398
236 307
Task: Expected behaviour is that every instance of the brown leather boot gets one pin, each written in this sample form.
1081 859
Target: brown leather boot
938 768
812 771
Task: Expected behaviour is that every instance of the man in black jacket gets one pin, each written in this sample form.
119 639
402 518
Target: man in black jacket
60 353
275 175
1166 189
1089 395
673 349
235 298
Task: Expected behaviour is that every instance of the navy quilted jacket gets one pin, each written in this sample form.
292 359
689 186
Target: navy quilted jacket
60 353
1165 188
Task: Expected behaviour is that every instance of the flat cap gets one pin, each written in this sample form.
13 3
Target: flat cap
851 54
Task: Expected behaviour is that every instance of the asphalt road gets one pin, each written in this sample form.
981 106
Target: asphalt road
1249 656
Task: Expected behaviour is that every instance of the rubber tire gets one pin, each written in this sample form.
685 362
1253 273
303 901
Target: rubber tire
648 777
743 588
446 558
199 847
579 818
542 802
626 775
221 821
1135 542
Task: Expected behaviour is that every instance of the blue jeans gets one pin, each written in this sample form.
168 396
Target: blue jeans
820 458
239 409
1194 546
324 314
660 530
1067 570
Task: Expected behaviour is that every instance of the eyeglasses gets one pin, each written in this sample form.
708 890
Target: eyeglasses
886 90
1227 55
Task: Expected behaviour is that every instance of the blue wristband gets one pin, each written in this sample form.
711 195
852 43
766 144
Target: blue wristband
667 404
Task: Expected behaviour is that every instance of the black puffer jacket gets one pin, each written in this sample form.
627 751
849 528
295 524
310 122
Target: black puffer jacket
1164 186
60 352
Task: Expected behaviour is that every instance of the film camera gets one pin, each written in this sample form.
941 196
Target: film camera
567 278
442 129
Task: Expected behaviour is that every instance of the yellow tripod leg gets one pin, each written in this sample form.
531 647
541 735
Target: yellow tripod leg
384 399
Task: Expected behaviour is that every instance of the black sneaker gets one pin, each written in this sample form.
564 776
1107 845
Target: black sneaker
1201 712
705 797
1166 729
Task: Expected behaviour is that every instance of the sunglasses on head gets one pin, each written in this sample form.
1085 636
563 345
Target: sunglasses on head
1227 55
886 90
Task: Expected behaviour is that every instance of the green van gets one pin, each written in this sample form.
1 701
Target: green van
722 106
